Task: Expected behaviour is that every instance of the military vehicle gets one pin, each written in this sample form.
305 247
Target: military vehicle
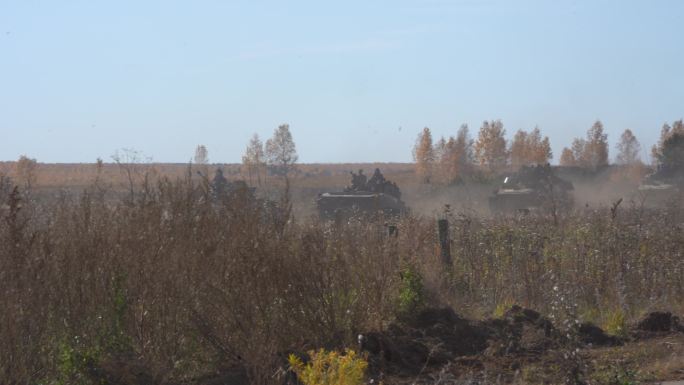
237 194
221 188
662 187
363 197
530 189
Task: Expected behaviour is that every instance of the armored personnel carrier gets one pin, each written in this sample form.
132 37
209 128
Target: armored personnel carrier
363 197
531 188
238 195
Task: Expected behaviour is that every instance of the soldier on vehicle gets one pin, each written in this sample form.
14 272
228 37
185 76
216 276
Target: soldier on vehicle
362 197
377 182
362 181
358 181
354 181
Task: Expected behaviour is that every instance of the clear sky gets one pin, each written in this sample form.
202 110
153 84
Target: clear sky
356 80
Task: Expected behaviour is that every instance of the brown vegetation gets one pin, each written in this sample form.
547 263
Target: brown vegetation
136 272
185 285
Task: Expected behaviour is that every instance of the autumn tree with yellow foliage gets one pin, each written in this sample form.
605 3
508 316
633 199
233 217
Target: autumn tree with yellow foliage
529 148
590 153
596 148
490 147
567 158
424 155
454 157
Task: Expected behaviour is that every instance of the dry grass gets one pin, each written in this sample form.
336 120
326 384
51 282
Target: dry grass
650 360
190 286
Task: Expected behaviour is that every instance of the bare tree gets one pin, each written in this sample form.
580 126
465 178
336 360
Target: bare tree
26 172
132 164
201 155
628 149
99 171
201 161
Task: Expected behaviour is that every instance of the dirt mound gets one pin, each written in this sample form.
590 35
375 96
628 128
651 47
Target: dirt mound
433 316
437 336
535 333
520 331
660 322
431 338
590 334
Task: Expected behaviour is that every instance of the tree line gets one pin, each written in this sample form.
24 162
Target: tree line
450 160
278 156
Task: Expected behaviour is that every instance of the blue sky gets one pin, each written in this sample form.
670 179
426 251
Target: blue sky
356 80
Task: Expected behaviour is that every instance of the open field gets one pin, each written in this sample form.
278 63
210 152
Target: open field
166 284
595 189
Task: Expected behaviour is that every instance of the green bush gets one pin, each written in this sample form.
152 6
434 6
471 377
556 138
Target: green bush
411 292
77 358
74 361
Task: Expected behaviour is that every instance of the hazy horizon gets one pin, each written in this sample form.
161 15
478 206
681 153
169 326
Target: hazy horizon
356 82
